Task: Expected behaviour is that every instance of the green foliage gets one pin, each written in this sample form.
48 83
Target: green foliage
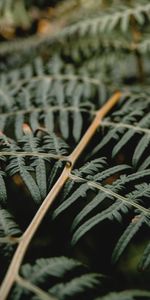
10 12
130 295
50 91
66 278
108 21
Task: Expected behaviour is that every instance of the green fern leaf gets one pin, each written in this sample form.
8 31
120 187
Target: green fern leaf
82 190
128 234
45 268
126 295
145 260
76 286
139 150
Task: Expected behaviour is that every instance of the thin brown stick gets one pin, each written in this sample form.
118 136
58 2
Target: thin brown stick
12 273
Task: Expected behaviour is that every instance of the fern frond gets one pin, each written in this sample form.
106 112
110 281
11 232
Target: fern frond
96 201
125 129
8 227
55 144
110 213
114 135
52 100
18 166
80 192
145 260
114 211
53 91
99 177
109 21
76 286
145 164
88 170
49 271
140 149
32 144
126 295
45 268
128 234
9 231
91 167
3 193
26 159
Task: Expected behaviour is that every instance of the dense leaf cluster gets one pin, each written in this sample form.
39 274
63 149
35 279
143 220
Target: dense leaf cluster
49 95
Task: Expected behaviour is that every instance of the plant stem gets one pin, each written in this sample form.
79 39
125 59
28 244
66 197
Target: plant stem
12 273
33 288
117 196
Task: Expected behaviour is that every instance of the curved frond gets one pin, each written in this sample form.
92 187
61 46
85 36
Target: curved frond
124 295
128 234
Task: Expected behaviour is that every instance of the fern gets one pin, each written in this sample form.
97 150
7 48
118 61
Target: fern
128 234
131 294
145 261
75 166
8 226
17 163
75 286
9 231
56 269
3 194
141 128
110 20
111 201
50 97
